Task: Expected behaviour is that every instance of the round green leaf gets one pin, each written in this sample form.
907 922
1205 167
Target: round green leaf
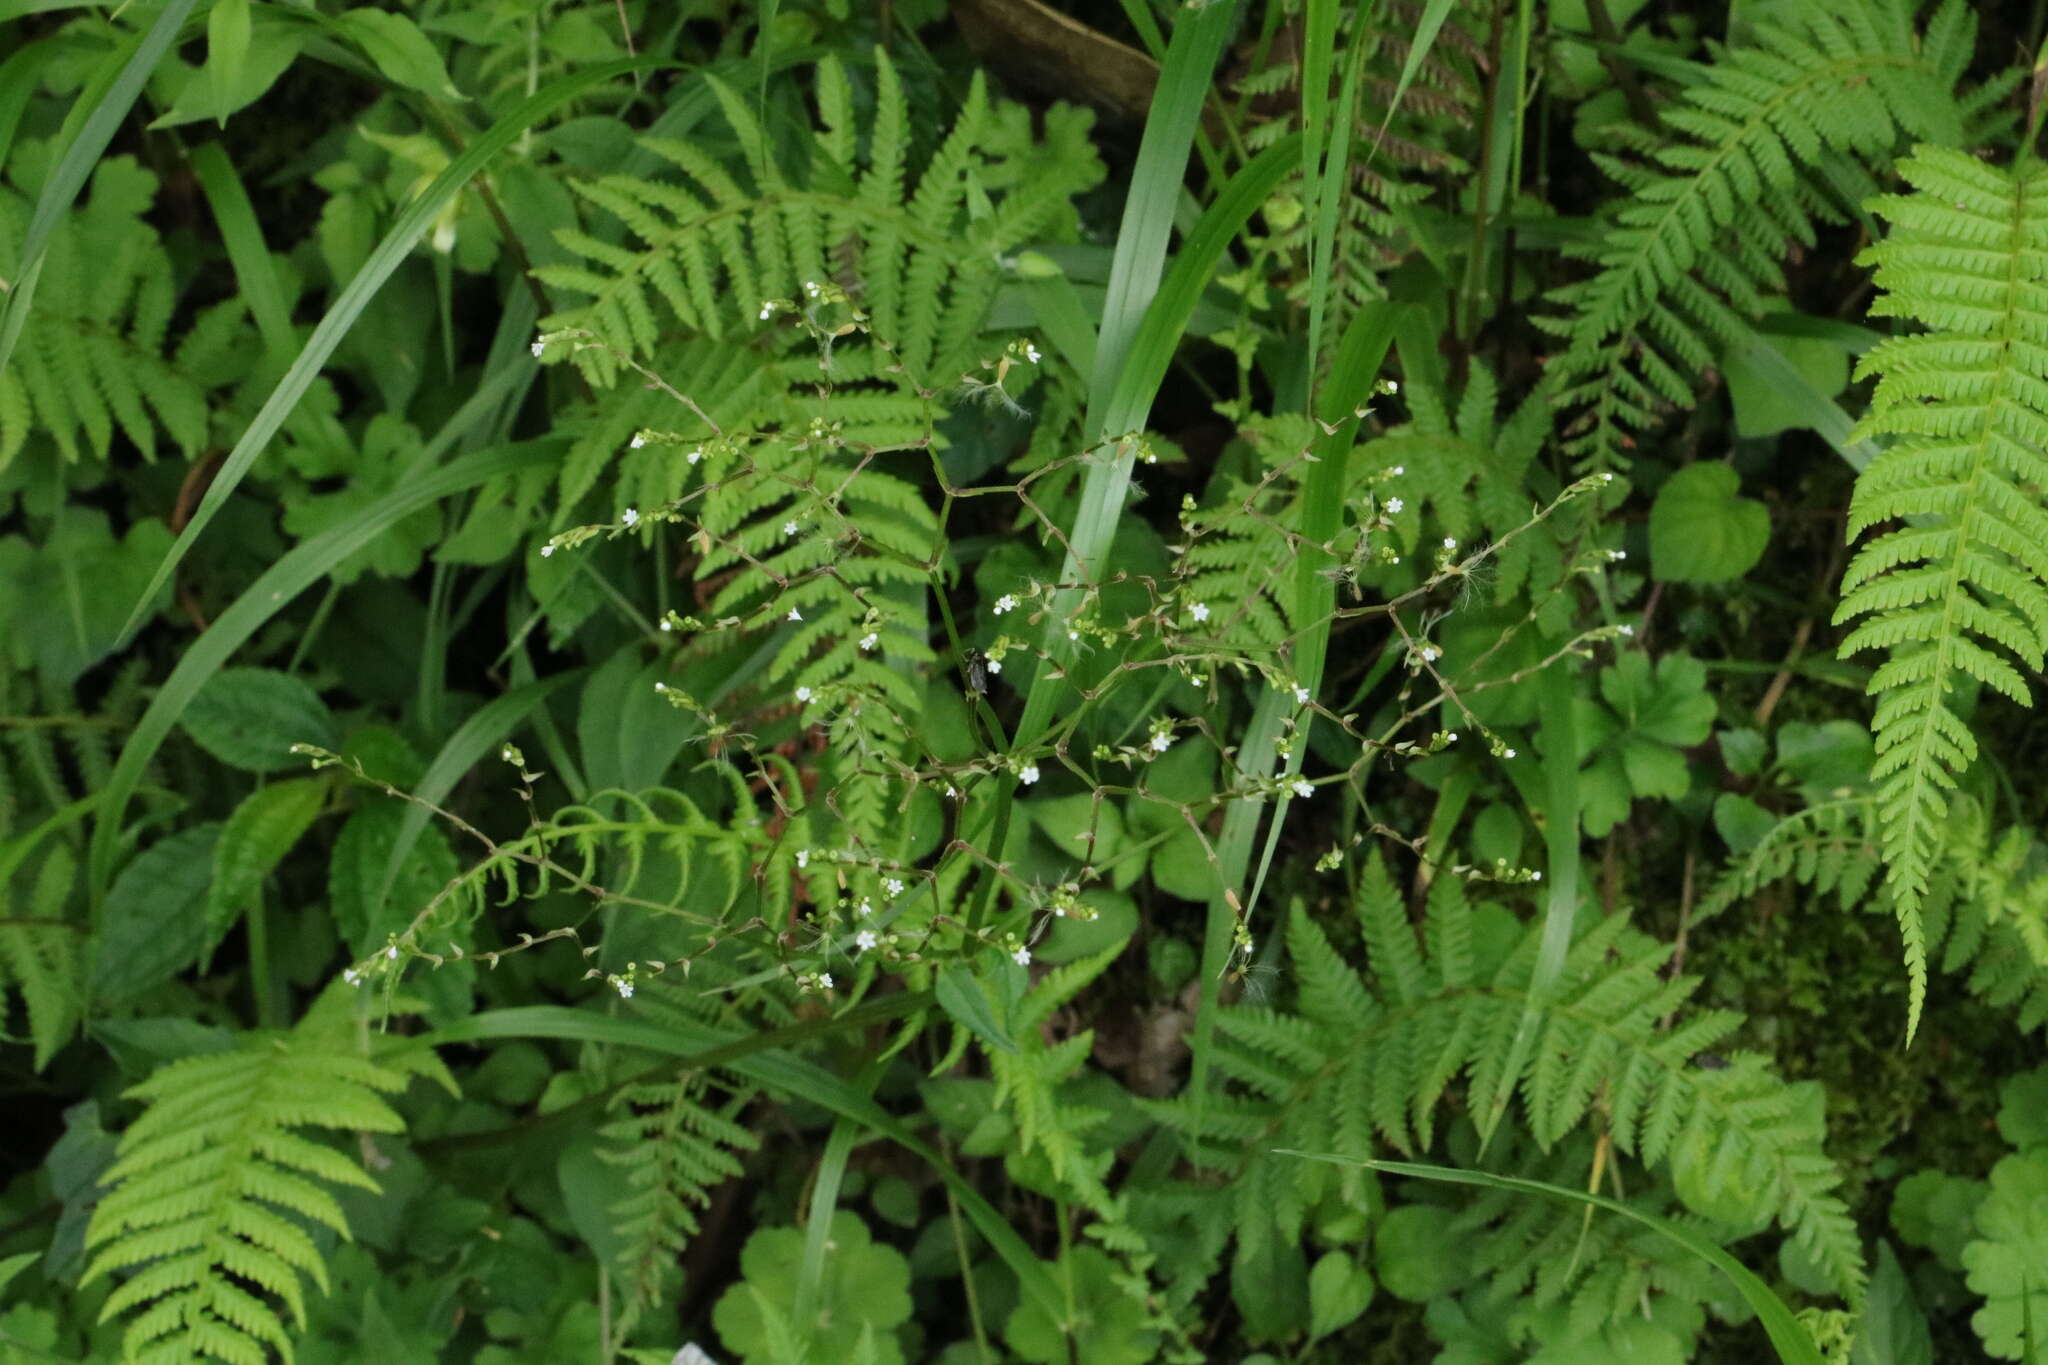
1702 530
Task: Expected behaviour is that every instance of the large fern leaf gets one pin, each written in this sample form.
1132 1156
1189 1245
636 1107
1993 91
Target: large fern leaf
1364 1060
213 1200
1776 134
1960 590
93 359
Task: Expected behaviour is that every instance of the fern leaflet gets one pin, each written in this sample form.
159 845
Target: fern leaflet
211 1195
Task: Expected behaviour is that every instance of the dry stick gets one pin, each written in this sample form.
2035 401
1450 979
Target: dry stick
1685 888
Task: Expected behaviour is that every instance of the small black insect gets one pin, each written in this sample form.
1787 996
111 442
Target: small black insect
977 673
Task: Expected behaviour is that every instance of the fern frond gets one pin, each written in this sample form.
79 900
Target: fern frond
1962 591
1776 134
674 1149
93 361
212 1198
1381 1058
40 952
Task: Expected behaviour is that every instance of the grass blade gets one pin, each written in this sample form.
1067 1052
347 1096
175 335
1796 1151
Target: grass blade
1561 906
390 253
304 566
255 271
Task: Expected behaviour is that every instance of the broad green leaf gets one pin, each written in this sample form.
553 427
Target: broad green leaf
227 48
399 50
1891 1330
1702 530
154 921
263 828
2008 1263
361 854
250 718
966 999
1339 1292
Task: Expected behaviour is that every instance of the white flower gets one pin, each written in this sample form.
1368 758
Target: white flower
766 309
625 987
1022 957
1161 742
636 442
667 624
1450 543
1507 753
1200 611
995 665
1394 505
870 640
1005 603
789 528
1398 469
865 908
895 886
1300 694
1302 787
1627 630
1029 774
1031 353
1535 876
661 687
795 615
803 857
1617 554
352 976
546 550
694 456
1073 635
811 288
952 793
1393 385
631 516
538 347
392 952
803 694
864 940
824 981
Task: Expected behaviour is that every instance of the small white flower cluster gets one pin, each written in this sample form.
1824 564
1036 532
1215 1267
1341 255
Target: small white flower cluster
803 694
864 940
1425 653
1021 956
1031 353
895 887
1161 741
1301 786
870 640
637 442
814 981
622 984
1200 611
1005 603
788 528
795 615
631 516
1028 774
1301 695
1394 506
